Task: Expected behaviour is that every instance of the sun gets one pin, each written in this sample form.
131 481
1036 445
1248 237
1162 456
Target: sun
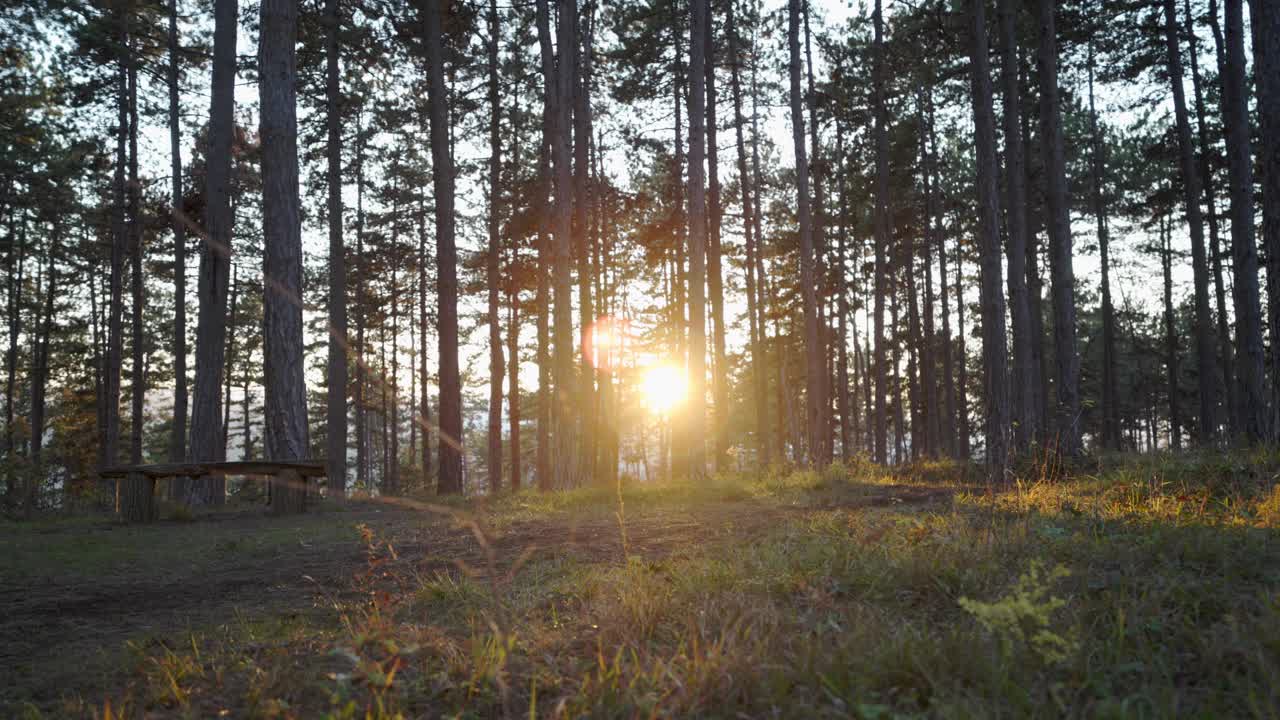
664 387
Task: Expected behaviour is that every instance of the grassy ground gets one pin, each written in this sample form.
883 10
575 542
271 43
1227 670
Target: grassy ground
1130 587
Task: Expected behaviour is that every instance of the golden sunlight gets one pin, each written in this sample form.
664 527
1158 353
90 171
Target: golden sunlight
664 387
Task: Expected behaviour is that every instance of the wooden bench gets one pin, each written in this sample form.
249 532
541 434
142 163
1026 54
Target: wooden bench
135 487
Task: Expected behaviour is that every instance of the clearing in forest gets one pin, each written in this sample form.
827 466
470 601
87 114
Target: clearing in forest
1139 587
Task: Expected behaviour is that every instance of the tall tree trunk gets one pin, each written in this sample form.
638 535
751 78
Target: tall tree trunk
424 397
695 429
336 373
215 256
1170 336
933 410
1024 415
962 364
40 375
450 479
17 250
844 406
178 435
230 372
715 273
1208 185
494 458
363 451
1110 385
949 404
1265 18
513 379
282 341
542 462
564 419
119 244
994 341
814 376
751 241
581 221
137 379
822 429
1061 270
1248 315
1191 194
881 230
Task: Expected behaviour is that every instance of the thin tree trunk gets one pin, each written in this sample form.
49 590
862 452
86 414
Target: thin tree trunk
563 418
282 340
336 373
715 274
494 457
17 250
1265 18
758 365
994 340
1110 384
1191 194
450 479
40 376
215 256
881 229
580 223
695 429
424 397
814 376
1061 270
1024 415
1170 336
1208 185
821 431
119 244
844 406
542 461
178 436
962 367
138 382
1251 359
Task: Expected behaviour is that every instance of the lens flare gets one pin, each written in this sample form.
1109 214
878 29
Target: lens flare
664 387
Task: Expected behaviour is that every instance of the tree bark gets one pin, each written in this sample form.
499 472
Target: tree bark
542 461
286 400
1191 194
1250 360
695 429
563 417
715 273
178 436
822 429
759 368
40 376
1061 270
994 341
137 379
815 372
336 373
1265 18
580 223
1024 416
450 478
1208 185
1110 389
215 257
496 372
1170 337
881 230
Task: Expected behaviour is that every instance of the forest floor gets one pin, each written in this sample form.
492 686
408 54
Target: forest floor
1130 587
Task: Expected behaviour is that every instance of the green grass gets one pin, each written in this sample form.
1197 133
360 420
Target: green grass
1128 587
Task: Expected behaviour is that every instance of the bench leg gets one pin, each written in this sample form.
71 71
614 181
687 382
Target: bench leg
288 493
137 498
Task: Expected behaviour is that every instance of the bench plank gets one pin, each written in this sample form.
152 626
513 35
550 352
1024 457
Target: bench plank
305 468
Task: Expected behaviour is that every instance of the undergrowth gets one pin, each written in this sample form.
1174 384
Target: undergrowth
1126 587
